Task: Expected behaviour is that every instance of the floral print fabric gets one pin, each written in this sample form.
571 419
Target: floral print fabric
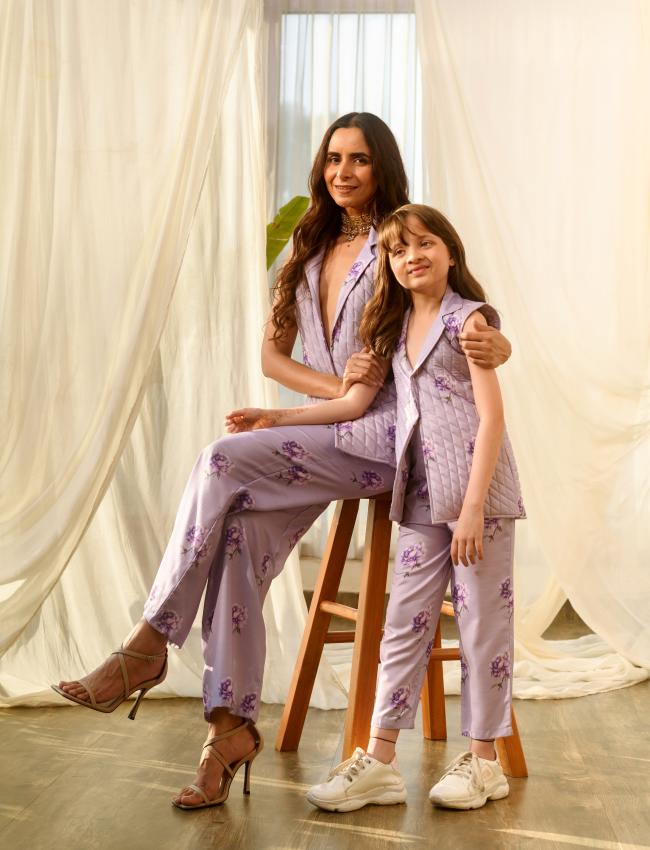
247 503
483 600
436 407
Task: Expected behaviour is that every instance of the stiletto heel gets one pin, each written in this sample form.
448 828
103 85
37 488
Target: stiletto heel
136 704
110 705
229 770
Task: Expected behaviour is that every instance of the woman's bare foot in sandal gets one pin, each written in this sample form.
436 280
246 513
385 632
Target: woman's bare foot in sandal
210 773
106 681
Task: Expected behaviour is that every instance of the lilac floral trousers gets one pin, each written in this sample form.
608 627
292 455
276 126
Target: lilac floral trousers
482 596
249 499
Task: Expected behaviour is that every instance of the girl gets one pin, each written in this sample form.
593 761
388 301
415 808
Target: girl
251 496
456 496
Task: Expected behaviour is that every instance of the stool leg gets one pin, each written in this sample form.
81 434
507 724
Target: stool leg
511 753
363 678
313 639
434 718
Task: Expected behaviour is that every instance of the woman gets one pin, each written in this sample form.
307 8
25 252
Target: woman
251 496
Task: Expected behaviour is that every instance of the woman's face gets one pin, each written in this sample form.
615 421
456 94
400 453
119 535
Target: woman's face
348 170
420 260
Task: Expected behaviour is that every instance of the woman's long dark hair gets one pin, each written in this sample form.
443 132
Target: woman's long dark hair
381 323
321 224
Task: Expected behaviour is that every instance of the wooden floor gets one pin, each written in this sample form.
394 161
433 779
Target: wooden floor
72 778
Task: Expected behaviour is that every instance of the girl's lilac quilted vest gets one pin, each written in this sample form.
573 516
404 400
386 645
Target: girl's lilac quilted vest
437 397
373 435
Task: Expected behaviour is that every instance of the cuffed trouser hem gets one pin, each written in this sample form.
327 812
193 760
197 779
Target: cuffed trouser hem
482 735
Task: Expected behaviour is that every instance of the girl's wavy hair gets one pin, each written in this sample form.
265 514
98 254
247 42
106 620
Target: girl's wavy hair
383 317
321 224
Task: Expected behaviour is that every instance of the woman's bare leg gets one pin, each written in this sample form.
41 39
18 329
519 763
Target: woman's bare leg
210 771
106 681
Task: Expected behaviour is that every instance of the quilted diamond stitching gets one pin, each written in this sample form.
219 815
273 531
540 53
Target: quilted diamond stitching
449 420
368 436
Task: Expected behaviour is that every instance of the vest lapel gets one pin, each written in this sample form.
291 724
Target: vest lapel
451 302
400 347
357 269
312 274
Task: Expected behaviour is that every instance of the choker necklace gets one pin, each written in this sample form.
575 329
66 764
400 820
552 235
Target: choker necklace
354 225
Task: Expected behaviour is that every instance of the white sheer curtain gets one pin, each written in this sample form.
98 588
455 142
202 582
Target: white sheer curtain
537 141
329 65
327 58
131 270
78 335
134 293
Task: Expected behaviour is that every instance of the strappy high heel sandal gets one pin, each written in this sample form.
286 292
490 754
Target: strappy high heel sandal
111 704
229 770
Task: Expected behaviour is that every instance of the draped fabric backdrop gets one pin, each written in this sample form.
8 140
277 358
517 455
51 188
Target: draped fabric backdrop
537 141
134 294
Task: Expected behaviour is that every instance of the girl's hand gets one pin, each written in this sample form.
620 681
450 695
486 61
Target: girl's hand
248 419
364 367
487 348
467 542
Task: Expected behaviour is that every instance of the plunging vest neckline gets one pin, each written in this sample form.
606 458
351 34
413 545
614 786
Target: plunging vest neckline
313 272
448 304
349 278
411 365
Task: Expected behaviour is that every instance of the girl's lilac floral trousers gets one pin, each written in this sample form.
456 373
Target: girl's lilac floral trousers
249 499
482 595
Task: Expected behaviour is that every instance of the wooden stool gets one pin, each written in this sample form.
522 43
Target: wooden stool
367 636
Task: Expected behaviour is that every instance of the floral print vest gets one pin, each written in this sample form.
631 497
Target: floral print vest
436 397
373 435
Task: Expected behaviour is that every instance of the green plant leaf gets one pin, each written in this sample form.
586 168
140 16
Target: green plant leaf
279 231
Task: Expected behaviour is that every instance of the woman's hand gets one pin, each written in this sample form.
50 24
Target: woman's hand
487 348
364 367
249 419
467 542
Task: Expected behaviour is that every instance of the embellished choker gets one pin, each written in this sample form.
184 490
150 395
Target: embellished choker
355 225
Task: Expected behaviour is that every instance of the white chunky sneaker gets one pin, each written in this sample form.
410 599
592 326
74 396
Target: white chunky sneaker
357 782
469 782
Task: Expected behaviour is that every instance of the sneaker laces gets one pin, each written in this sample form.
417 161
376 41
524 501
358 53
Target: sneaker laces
351 767
467 767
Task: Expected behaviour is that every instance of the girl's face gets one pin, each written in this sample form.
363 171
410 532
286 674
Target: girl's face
420 260
348 170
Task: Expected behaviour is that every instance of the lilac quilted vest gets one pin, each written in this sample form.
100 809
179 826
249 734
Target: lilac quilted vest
437 397
373 435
